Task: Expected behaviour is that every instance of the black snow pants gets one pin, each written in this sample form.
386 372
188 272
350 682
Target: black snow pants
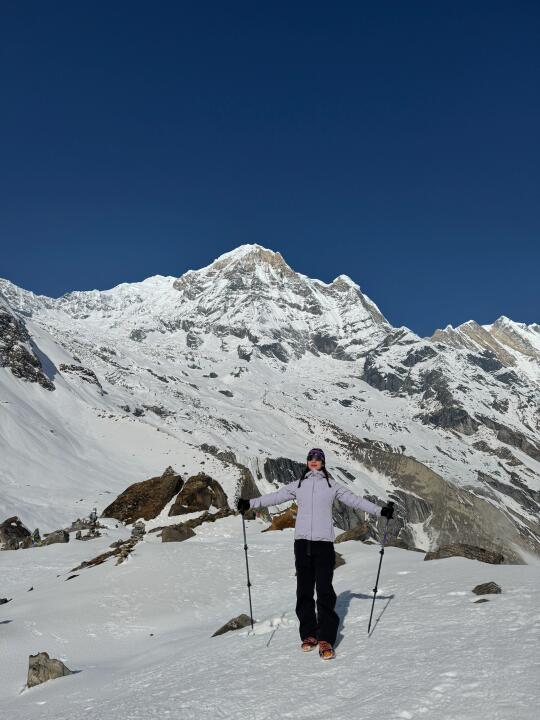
315 561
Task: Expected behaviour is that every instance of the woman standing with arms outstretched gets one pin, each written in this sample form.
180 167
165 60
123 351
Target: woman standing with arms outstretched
314 553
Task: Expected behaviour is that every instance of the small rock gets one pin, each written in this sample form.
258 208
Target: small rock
236 623
489 588
139 529
3 601
42 668
340 560
480 601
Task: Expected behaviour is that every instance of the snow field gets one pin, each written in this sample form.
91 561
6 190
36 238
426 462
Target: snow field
140 634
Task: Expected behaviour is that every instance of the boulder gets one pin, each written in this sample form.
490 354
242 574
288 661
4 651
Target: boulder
236 623
42 668
199 493
468 551
176 533
58 536
285 519
489 588
145 499
362 531
12 533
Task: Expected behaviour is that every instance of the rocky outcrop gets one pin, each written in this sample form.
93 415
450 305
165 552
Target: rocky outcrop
83 373
285 519
42 668
58 536
145 499
121 550
13 533
237 623
362 531
195 522
17 351
467 551
199 493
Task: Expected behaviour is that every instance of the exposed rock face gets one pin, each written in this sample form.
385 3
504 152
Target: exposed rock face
282 470
199 493
176 533
513 437
241 621
83 373
13 533
145 499
503 339
450 515
246 487
16 350
42 668
489 588
467 551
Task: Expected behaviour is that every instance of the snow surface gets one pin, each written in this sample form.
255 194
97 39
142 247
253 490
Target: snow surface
139 634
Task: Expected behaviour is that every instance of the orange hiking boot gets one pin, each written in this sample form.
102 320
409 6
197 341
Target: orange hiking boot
326 651
309 643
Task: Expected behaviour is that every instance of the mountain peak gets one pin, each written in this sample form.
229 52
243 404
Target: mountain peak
249 254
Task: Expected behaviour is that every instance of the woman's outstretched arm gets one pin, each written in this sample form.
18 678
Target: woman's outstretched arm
355 501
287 492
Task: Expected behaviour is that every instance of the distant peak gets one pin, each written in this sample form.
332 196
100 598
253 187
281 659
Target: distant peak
344 280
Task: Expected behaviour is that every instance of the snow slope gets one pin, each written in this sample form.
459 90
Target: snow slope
138 634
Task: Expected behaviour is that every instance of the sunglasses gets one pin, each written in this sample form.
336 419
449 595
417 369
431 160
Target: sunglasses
315 456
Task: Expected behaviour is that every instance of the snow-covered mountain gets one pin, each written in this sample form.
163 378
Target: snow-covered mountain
249 358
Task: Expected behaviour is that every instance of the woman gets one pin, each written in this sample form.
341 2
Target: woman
314 553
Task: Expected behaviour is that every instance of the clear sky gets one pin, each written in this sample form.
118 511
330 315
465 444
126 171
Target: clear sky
397 142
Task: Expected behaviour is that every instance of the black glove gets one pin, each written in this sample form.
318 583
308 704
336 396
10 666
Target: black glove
242 505
388 510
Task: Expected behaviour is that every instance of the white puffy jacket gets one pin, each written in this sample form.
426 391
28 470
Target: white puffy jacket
314 499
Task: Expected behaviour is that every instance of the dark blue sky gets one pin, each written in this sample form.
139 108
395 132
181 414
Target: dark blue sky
397 142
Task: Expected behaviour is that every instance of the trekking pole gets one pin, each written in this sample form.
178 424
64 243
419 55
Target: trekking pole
247 570
381 551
